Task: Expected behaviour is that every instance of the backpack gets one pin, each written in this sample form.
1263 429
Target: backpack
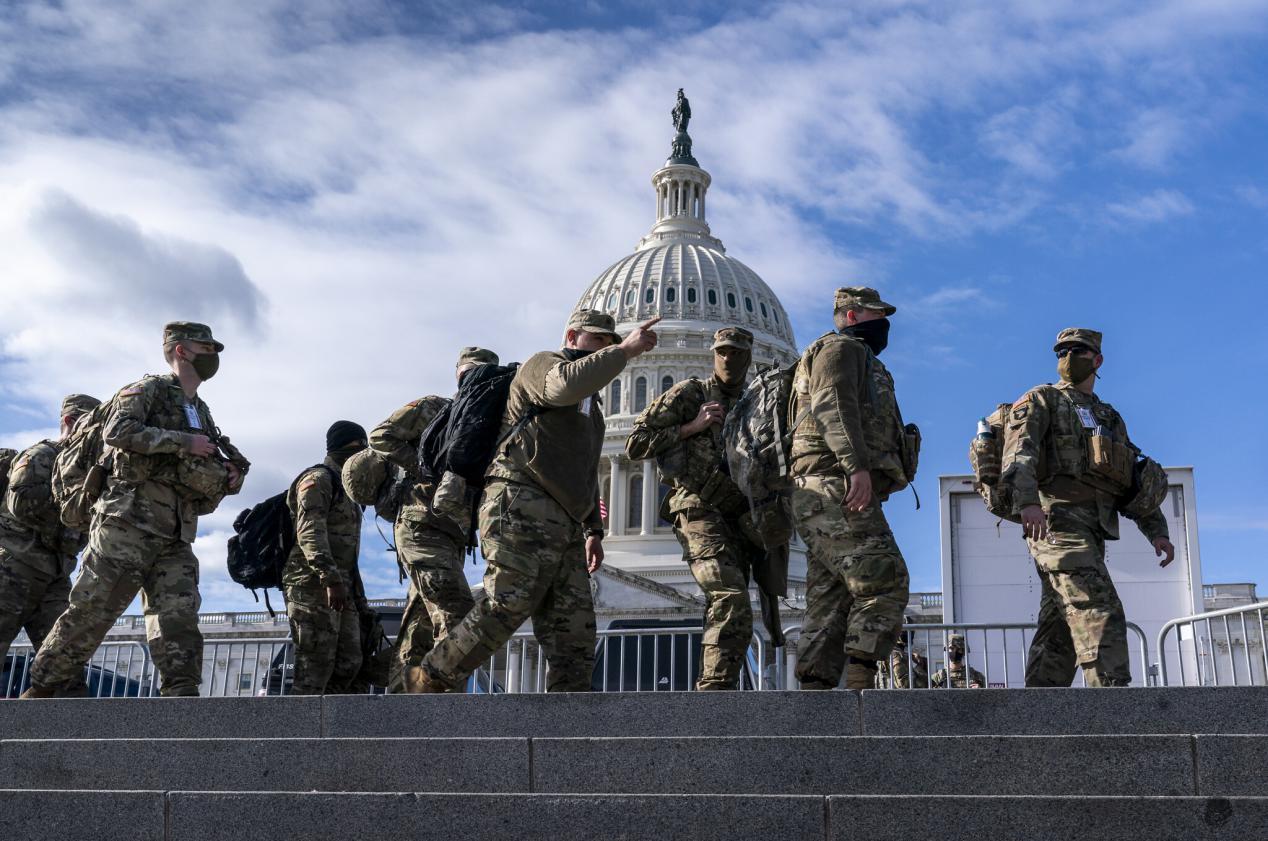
263 538
986 456
758 436
7 457
80 469
463 437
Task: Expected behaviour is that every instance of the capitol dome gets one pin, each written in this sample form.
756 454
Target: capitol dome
682 273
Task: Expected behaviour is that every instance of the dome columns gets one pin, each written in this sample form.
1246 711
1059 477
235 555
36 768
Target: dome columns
680 206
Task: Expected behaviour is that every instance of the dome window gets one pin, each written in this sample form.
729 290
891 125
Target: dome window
629 298
776 314
666 383
730 300
713 298
748 304
616 397
640 394
763 306
649 296
612 301
671 295
691 295
634 511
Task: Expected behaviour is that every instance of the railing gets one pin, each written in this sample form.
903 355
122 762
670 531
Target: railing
1001 664
1208 641
117 669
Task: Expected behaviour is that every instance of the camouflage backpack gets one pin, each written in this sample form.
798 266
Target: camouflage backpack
80 470
758 435
7 457
986 455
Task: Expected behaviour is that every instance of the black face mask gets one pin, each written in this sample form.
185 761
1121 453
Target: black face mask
874 333
572 354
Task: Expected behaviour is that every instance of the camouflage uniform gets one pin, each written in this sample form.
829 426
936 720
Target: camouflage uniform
327 542
429 542
1046 462
37 553
707 510
856 579
540 504
956 676
143 527
903 677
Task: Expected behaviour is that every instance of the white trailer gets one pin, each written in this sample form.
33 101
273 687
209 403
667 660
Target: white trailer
988 577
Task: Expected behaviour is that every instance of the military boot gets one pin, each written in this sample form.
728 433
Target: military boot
860 674
35 691
418 682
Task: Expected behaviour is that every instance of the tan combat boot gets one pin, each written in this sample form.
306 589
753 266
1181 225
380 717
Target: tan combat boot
418 682
34 691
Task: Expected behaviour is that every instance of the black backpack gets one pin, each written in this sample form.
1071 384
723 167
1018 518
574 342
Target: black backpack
463 437
264 536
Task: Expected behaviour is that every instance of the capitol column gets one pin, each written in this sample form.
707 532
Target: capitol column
650 485
616 499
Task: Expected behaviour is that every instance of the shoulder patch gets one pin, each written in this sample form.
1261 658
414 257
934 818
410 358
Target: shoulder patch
1020 412
132 391
308 483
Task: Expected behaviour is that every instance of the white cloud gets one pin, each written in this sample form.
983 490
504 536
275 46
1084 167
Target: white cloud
1158 206
1154 137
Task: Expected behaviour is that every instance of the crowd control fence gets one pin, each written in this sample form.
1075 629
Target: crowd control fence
1215 648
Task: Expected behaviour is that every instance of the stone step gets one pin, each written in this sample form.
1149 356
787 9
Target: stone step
262 816
795 765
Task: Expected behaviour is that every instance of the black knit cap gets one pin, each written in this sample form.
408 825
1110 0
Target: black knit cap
342 433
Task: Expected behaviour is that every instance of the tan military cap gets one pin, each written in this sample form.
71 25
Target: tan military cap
736 337
79 404
862 298
189 331
476 356
594 321
1079 336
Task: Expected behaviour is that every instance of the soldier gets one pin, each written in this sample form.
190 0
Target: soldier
900 674
37 553
165 470
706 507
1068 461
954 672
429 540
847 457
540 529
320 579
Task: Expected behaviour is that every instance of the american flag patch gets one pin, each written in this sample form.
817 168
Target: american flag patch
603 509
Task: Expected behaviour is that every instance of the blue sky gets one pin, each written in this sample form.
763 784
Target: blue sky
349 192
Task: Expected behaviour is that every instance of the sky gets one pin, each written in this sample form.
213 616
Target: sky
349 192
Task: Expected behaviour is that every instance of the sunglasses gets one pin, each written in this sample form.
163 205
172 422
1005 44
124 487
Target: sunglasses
1062 353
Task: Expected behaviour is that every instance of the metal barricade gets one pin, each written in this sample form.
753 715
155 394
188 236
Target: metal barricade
248 666
115 670
1209 644
1001 656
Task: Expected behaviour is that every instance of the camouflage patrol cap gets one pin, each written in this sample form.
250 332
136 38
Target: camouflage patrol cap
189 331
363 475
862 298
78 404
594 321
736 337
1079 336
1148 490
476 356
957 641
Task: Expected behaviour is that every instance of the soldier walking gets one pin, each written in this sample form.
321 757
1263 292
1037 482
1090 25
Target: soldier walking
430 533
37 553
683 427
166 469
540 529
1069 461
847 457
957 674
320 579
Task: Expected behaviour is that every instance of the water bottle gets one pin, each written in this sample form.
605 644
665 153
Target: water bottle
984 431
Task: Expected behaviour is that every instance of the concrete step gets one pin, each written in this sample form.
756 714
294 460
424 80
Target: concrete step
263 816
794 765
1038 712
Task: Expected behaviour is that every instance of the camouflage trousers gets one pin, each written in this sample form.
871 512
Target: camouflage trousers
536 569
721 563
327 642
1081 619
120 560
439 595
856 582
30 598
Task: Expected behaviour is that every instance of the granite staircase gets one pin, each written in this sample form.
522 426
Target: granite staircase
991 764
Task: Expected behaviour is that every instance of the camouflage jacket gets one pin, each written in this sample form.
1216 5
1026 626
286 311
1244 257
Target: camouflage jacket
1046 459
327 530
703 481
849 419
939 680
559 449
902 677
397 440
147 434
30 529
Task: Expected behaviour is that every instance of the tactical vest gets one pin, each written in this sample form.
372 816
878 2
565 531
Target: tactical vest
1098 455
